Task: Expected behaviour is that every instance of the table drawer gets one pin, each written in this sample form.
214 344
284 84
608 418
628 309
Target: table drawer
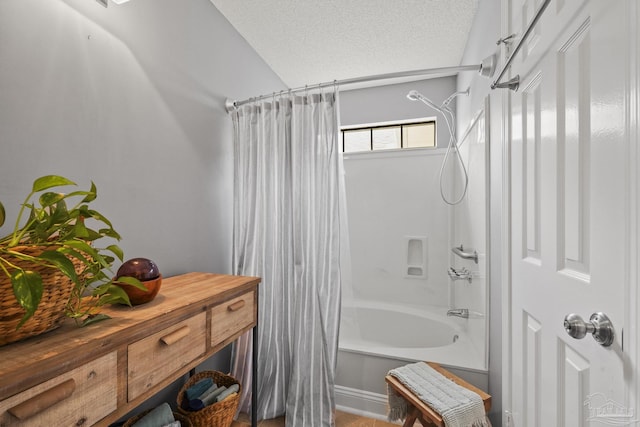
80 397
153 359
231 317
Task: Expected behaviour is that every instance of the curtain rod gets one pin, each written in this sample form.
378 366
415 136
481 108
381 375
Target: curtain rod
231 105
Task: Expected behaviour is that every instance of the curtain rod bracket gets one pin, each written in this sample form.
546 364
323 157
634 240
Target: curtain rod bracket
512 84
506 40
229 105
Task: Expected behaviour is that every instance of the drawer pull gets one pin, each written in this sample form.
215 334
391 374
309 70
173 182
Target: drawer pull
44 400
176 335
236 305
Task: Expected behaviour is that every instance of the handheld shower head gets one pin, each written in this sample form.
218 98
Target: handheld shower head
449 118
413 95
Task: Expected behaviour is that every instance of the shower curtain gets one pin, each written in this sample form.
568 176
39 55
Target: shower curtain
286 231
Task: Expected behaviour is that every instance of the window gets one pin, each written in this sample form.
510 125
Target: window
420 134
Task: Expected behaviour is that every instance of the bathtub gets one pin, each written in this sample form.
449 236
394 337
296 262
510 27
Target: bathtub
376 337
408 334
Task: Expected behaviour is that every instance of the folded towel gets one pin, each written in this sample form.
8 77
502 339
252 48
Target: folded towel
158 416
229 397
211 397
197 404
458 406
198 388
205 393
173 424
232 389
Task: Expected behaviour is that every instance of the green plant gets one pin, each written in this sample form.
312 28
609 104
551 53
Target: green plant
66 233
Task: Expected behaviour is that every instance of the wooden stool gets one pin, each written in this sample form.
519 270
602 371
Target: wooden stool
418 410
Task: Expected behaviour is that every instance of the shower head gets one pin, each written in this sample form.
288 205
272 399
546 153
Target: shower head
414 95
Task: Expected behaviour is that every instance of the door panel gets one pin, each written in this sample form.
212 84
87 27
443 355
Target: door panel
573 116
569 212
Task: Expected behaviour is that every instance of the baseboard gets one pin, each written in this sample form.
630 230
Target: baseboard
361 402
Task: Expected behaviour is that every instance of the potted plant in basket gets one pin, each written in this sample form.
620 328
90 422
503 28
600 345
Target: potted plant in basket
51 265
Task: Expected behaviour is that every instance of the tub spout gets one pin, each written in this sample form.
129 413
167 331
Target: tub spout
459 312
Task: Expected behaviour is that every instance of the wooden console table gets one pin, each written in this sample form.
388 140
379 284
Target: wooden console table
97 374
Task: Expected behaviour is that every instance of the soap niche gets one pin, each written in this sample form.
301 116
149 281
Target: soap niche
416 257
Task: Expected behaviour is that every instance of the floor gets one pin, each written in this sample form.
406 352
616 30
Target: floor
342 420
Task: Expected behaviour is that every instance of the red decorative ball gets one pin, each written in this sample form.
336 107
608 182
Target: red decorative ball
139 268
147 272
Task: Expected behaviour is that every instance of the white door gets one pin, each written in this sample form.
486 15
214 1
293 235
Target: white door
570 213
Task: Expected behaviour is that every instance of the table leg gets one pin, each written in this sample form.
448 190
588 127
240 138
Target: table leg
254 375
411 417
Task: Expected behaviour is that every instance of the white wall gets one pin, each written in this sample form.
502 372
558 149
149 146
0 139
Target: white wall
481 44
469 228
131 97
391 196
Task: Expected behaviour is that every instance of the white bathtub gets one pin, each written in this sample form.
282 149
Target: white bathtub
408 334
377 337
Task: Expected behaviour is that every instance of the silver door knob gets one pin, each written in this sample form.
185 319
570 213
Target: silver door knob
599 326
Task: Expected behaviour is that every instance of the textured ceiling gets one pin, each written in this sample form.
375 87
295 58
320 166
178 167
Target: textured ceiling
314 41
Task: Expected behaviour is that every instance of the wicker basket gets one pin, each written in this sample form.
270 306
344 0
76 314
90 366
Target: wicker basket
184 421
57 290
219 414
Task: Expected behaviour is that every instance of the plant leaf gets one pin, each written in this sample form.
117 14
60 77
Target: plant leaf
49 181
111 298
91 235
93 319
98 216
98 274
49 198
113 295
61 262
91 196
77 193
110 232
27 288
76 254
81 246
100 290
132 281
116 251
60 214
81 231
2 215
101 260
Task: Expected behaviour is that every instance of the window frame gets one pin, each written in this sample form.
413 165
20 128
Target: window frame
391 124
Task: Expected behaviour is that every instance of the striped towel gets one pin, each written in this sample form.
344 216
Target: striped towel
458 406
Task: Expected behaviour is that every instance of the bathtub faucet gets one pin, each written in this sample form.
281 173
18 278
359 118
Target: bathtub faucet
459 312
